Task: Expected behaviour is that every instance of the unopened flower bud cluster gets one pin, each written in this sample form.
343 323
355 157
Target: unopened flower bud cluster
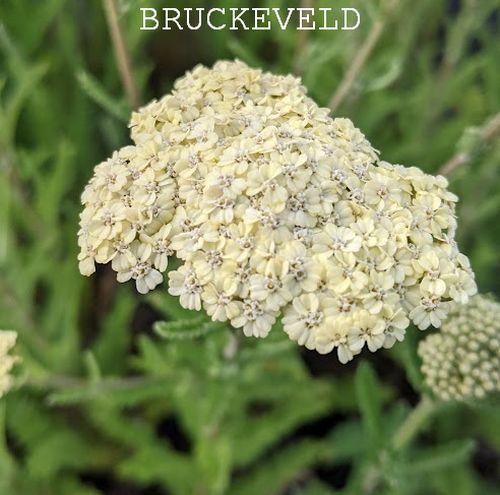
7 342
274 209
462 361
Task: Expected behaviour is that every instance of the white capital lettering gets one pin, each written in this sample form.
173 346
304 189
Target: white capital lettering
325 26
149 14
305 23
261 17
237 18
168 19
282 24
188 18
209 21
346 27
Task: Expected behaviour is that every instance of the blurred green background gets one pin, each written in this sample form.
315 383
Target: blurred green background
108 405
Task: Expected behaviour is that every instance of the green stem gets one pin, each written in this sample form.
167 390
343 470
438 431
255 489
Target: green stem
402 437
413 423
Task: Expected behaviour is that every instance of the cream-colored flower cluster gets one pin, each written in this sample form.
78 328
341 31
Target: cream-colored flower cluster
462 361
274 208
7 342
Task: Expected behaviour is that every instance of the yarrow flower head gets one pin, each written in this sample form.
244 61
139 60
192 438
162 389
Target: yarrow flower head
274 208
7 342
462 361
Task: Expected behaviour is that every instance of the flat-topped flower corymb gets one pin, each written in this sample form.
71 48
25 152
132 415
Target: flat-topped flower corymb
275 209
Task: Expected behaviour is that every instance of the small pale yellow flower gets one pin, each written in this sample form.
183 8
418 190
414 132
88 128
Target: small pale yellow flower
7 342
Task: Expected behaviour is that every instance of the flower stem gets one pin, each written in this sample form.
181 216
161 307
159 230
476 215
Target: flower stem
302 39
121 53
357 64
490 130
413 423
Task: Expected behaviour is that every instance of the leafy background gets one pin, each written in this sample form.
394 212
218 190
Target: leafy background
113 403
